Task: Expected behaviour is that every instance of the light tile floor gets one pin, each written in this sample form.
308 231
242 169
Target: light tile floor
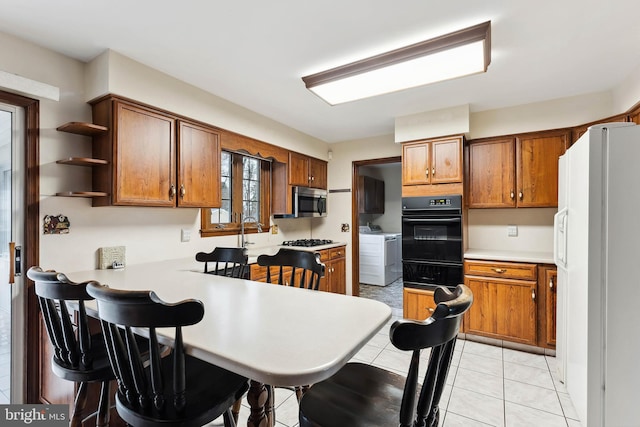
487 386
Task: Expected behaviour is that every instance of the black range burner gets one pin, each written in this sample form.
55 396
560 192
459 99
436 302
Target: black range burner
306 242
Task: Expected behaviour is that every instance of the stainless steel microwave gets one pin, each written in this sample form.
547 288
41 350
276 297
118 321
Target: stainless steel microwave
307 202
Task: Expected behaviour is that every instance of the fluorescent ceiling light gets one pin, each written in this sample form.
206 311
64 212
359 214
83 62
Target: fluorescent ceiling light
452 55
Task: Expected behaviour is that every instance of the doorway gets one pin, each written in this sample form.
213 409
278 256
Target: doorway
389 171
12 136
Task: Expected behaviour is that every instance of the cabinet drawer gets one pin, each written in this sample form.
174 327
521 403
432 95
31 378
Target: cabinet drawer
325 255
507 270
337 252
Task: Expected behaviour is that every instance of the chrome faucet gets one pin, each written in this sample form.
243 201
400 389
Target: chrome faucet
242 221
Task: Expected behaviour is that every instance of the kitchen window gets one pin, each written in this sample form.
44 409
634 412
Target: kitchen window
245 196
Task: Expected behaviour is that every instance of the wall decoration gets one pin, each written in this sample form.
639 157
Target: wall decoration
56 224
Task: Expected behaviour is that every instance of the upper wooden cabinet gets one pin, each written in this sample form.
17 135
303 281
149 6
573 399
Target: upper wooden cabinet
520 171
432 166
370 195
307 171
155 159
198 166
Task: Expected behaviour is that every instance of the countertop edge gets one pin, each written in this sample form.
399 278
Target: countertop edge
511 256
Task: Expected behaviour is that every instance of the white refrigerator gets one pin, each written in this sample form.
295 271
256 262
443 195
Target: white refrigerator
597 251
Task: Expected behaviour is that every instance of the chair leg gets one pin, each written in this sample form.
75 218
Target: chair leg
230 420
79 406
269 408
104 405
235 409
300 391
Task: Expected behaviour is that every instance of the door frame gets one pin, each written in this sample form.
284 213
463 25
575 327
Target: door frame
31 249
355 230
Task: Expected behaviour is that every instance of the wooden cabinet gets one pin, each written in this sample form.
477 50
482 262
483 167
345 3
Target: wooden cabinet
432 162
335 271
156 159
307 171
417 304
519 171
547 312
370 195
505 300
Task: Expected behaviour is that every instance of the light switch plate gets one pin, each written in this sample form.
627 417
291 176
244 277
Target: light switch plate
512 230
185 235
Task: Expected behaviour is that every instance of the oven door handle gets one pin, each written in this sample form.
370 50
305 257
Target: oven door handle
431 220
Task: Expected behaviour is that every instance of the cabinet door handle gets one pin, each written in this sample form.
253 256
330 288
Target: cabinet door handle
512 195
500 270
533 294
172 192
520 195
313 178
182 191
551 283
430 310
433 171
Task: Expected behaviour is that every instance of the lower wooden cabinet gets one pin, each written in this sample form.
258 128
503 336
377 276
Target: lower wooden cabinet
548 286
335 274
417 304
504 307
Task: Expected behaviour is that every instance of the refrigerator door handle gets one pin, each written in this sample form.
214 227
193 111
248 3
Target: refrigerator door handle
560 238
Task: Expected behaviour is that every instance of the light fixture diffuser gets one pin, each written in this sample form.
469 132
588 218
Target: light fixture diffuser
452 55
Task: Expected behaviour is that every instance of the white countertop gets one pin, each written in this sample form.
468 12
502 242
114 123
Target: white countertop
273 334
506 255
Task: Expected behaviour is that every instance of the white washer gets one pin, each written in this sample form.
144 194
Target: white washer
378 256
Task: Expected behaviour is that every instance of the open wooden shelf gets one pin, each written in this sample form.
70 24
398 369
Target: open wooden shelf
82 161
82 128
82 194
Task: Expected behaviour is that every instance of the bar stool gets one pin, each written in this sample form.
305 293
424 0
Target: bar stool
80 358
361 395
174 390
230 262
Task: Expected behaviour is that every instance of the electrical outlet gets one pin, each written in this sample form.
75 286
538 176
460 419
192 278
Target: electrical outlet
512 230
344 227
185 235
274 229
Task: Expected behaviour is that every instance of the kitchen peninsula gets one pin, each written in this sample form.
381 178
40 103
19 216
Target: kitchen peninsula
248 328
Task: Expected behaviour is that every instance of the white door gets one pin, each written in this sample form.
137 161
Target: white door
11 237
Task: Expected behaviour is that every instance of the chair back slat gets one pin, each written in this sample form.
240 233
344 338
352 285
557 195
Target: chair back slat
145 383
230 262
306 270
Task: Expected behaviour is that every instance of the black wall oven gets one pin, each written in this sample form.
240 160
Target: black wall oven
432 241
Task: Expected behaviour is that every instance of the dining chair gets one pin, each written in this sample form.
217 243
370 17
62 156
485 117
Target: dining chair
79 357
305 272
306 264
230 262
360 395
174 389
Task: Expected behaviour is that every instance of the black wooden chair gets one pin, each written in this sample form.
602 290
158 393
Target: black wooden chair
174 390
82 357
301 269
361 395
231 262
306 268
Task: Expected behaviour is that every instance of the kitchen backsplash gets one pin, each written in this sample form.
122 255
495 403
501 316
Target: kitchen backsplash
487 229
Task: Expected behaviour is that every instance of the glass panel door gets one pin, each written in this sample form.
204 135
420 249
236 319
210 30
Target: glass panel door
11 232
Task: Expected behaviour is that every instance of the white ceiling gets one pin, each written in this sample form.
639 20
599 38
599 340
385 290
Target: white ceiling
254 52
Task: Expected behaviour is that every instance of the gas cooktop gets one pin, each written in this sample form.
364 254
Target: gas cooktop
307 242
